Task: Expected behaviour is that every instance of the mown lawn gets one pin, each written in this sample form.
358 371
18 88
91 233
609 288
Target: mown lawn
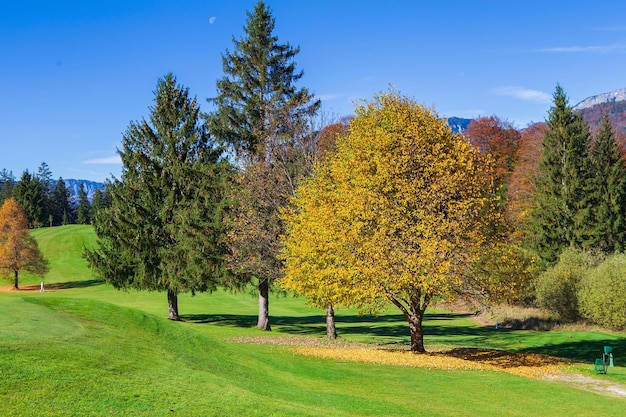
87 349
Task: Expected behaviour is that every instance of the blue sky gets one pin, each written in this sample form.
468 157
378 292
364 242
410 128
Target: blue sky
74 74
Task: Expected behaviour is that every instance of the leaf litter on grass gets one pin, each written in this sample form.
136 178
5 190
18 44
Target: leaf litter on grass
529 365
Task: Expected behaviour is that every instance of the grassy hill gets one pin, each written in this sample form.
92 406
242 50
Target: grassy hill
87 349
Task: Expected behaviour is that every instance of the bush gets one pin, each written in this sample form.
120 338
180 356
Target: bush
602 295
557 288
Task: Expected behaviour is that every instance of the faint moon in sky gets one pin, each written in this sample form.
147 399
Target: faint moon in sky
212 19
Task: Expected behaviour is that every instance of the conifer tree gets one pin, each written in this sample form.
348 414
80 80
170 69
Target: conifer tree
61 207
163 230
44 174
30 195
561 214
609 188
101 199
84 207
7 184
262 117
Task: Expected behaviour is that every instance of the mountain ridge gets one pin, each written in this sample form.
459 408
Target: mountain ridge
610 97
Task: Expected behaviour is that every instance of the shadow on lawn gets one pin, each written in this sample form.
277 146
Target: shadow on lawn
390 326
584 350
73 284
438 328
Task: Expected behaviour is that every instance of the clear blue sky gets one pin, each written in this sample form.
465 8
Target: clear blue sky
73 74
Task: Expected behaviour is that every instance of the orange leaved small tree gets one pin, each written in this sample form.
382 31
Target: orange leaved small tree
18 249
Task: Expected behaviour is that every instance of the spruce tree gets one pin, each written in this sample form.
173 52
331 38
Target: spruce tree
7 184
609 188
84 207
44 174
30 195
163 230
258 103
561 214
261 115
60 204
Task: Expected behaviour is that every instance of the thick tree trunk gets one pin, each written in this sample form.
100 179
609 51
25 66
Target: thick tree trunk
264 306
172 303
414 314
331 330
417 333
15 281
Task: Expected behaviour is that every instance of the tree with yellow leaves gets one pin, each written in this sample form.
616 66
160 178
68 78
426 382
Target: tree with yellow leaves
392 216
18 249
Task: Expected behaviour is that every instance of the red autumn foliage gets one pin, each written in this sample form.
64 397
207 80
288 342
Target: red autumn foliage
498 138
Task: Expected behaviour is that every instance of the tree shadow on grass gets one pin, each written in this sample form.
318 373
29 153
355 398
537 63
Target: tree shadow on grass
62 285
73 284
438 328
384 326
584 350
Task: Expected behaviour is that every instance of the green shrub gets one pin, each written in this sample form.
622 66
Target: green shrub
602 295
557 288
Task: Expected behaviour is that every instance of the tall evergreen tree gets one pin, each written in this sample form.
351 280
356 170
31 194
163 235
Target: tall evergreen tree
60 205
84 207
561 214
163 230
260 115
98 202
7 184
609 189
30 195
258 101
44 174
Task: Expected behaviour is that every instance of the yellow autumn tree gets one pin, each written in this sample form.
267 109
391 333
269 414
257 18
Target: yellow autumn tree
392 216
18 250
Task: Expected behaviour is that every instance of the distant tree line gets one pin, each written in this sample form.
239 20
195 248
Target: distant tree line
47 202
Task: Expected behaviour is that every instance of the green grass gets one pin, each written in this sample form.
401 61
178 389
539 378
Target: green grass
63 247
89 350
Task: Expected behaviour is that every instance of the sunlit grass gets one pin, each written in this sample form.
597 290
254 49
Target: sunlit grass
88 349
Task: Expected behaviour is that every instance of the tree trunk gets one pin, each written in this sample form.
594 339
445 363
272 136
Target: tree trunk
414 314
331 330
417 333
15 281
264 306
172 302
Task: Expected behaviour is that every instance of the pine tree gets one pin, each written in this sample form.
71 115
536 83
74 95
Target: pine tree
84 207
262 117
44 174
60 204
163 230
7 184
98 202
561 214
609 188
30 195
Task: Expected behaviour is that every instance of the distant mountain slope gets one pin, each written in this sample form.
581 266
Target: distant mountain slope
458 124
604 98
90 188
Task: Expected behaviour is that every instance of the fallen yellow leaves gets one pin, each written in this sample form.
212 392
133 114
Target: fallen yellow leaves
524 364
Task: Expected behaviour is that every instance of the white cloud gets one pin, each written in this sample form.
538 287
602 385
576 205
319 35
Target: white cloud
590 49
110 160
525 94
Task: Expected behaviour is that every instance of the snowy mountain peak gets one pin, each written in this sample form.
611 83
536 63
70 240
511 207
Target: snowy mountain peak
611 97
